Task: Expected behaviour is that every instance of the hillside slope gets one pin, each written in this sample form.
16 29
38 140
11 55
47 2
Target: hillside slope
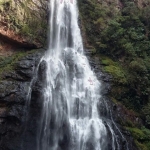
118 33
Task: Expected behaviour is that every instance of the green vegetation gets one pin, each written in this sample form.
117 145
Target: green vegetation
146 112
95 17
140 134
141 137
125 39
121 37
7 63
115 69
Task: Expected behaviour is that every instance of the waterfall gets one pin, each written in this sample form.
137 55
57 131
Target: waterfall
70 118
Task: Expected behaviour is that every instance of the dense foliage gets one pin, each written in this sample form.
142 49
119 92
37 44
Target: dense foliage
122 33
127 39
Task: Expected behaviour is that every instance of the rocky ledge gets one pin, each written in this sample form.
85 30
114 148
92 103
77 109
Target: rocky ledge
15 39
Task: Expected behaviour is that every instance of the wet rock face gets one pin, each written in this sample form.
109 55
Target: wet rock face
34 109
14 96
21 96
108 108
42 72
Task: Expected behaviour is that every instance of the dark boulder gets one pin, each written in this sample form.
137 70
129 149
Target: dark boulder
15 93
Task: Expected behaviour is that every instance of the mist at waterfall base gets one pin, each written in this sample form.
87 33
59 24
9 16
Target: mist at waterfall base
73 112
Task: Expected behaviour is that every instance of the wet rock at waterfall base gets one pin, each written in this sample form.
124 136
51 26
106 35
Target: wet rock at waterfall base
14 92
42 71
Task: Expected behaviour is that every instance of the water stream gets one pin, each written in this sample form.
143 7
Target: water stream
70 117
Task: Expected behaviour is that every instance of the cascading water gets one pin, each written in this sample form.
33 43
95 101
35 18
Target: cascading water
70 117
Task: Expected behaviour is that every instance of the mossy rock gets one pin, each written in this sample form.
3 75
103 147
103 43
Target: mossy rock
138 134
141 137
141 146
148 145
7 63
115 69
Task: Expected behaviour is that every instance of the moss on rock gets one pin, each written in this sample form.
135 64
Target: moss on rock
141 137
7 63
115 69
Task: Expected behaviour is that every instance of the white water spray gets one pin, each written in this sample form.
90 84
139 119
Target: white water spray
70 117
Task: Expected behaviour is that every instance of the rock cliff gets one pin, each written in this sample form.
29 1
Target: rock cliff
24 22
23 25
15 94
